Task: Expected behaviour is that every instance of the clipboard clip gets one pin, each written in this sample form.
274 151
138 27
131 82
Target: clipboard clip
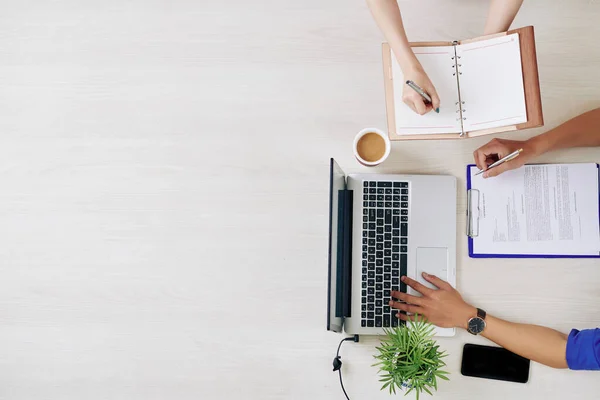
473 212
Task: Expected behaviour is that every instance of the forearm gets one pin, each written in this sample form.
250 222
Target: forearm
387 16
537 343
445 307
500 15
581 131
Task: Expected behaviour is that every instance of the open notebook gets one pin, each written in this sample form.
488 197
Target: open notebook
480 83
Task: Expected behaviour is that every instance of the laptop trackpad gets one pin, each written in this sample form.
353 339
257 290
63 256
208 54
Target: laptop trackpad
434 261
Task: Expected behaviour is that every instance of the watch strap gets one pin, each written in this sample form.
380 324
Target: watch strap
481 314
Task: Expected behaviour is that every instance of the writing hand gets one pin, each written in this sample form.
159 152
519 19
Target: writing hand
498 148
414 99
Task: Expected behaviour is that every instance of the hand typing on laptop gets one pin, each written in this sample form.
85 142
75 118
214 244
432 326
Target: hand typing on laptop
581 131
445 307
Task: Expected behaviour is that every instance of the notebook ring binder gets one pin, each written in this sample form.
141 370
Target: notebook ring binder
457 72
460 110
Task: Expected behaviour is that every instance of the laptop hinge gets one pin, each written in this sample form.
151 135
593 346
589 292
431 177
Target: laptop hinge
344 254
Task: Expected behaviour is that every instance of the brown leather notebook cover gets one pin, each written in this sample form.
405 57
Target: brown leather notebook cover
531 87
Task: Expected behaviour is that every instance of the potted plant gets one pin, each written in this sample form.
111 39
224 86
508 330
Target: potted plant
410 359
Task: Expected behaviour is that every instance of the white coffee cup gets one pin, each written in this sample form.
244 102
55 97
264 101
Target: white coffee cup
371 162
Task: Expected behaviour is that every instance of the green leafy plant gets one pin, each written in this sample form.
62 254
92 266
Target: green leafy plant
410 358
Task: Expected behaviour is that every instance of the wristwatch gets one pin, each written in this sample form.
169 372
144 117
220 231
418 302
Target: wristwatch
476 325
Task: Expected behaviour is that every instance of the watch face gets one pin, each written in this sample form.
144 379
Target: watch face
476 325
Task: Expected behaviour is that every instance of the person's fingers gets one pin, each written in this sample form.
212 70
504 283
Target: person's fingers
420 106
405 317
412 318
406 307
480 159
416 285
496 147
442 284
409 103
492 151
407 298
435 99
499 169
492 158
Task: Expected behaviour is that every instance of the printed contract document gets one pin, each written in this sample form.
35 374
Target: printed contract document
543 210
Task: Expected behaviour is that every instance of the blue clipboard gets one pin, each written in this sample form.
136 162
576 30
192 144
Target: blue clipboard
470 229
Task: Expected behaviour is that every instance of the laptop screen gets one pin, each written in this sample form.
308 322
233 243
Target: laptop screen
337 182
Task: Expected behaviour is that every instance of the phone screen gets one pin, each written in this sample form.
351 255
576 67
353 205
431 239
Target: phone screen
494 363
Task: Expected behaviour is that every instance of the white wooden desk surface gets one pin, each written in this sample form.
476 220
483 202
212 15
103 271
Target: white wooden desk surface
163 199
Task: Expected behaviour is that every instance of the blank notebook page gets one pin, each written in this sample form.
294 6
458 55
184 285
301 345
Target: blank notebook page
491 83
438 64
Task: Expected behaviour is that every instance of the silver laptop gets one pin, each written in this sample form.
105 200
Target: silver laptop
382 227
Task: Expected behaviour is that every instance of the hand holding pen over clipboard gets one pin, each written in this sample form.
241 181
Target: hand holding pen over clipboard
501 155
501 161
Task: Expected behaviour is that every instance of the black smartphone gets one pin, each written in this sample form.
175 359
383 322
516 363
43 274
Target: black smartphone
494 363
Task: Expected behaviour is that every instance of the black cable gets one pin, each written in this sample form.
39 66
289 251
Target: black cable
342 384
337 362
337 356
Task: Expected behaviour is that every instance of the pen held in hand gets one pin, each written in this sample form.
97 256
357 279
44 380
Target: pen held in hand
421 92
501 161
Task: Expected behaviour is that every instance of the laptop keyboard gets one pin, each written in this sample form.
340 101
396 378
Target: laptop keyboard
384 250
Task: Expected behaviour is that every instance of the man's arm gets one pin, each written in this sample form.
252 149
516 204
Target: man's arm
581 131
446 308
538 343
500 15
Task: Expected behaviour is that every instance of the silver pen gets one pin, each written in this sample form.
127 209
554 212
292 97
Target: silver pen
509 157
417 89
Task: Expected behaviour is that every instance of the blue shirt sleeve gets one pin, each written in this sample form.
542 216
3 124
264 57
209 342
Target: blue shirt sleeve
583 349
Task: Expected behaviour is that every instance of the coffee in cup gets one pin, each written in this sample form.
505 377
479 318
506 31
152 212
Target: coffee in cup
371 147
